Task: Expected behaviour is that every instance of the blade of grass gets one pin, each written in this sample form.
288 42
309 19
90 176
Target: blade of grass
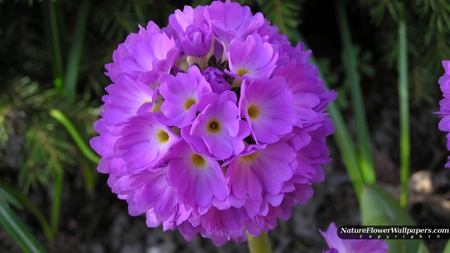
74 59
54 43
59 116
346 147
366 160
17 229
9 198
341 135
30 207
404 106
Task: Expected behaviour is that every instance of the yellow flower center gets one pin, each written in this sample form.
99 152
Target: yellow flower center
162 136
213 126
248 158
198 160
189 102
241 72
253 112
156 107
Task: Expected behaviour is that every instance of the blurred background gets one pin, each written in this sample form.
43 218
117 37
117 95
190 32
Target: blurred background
52 79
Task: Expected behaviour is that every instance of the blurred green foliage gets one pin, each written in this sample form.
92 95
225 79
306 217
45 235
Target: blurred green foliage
428 23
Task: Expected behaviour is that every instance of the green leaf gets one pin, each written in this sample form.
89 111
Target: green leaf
447 248
422 248
32 208
366 161
19 231
379 208
6 196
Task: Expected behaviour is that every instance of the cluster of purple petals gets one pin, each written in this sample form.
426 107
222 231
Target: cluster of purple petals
338 245
444 124
213 125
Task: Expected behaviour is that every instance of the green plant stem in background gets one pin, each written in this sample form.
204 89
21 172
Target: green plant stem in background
403 105
84 148
73 64
19 231
365 154
341 135
346 147
54 42
259 244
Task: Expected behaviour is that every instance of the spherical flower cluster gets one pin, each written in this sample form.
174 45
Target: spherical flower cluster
338 245
214 125
444 124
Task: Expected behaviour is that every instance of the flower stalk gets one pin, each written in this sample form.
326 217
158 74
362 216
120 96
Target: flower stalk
258 244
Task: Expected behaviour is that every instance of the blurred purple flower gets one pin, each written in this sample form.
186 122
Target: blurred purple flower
214 125
338 245
444 124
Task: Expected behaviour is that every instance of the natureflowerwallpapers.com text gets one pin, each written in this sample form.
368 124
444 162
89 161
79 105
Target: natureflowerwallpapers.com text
393 232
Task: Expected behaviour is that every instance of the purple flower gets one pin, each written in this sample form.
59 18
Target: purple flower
195 177
181 94
444 124
149 190
144 142
251 57
261 170
214 125
132 94
197 41
217 131
216 79
145 55
266 104
230 20
337 244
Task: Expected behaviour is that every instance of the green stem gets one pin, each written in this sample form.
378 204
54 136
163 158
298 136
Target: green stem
366 160
259 244
59 116
404 106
